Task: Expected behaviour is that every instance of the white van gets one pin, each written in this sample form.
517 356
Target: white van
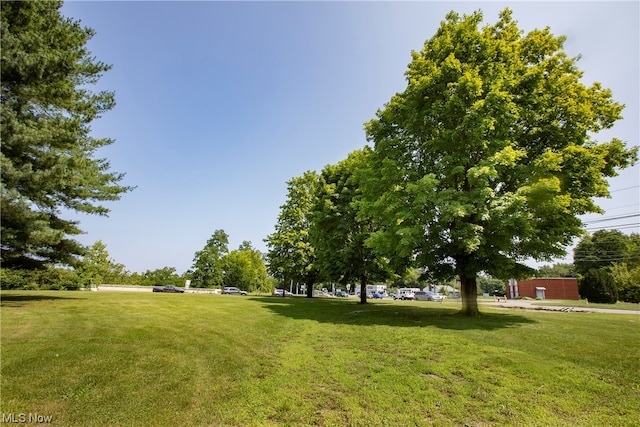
407 293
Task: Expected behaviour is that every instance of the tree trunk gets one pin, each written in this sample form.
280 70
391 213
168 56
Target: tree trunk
469 292
310 286
363 291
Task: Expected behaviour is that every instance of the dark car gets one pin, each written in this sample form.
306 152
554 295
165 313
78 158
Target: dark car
233 291
342 294
168 288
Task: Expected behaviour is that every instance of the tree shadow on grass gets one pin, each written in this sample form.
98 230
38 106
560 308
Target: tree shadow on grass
14 300
348 312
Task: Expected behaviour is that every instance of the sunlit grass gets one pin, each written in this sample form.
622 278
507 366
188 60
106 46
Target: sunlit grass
90 358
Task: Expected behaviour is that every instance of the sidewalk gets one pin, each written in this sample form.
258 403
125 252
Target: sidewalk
529 305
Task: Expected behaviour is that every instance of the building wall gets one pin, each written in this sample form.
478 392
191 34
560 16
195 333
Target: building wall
556 288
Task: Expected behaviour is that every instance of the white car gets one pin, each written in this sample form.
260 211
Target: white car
233 290
428 296
278 293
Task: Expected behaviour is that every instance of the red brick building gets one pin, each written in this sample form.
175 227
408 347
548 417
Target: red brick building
544 288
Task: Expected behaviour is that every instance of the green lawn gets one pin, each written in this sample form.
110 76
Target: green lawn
144 359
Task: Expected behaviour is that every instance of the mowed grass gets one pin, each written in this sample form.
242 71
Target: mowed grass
144 359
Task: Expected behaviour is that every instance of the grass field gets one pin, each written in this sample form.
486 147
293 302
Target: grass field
144 359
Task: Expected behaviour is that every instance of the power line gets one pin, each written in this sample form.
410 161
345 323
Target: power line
635 205
604 252
623 189
595 252
614 227
613 218
580 259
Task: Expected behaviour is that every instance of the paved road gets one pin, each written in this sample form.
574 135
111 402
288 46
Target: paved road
529 305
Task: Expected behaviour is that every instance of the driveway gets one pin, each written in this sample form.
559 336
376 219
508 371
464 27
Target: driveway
529 305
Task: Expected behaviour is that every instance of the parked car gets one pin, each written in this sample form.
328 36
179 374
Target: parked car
233 291
377 295
406 295
168 288
393 295
342 294
428 296
278 293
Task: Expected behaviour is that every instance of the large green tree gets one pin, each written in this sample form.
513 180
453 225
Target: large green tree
48 156
245 268
208 266
338 233
612 253
490 285
488 156
605 248
97 267
291 256
627 280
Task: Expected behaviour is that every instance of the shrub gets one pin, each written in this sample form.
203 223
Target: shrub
628 282
17 279
630 289
597 285
50 278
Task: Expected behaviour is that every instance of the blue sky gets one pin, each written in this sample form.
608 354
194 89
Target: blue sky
220 103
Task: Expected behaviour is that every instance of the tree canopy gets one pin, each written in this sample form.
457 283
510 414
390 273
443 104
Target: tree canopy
556 270
610 255
97 267
291 255
605 248
338 233
208 266
48 156
159 276
488 156
245 269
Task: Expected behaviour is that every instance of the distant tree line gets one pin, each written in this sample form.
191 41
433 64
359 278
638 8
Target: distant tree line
606 263
213 267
